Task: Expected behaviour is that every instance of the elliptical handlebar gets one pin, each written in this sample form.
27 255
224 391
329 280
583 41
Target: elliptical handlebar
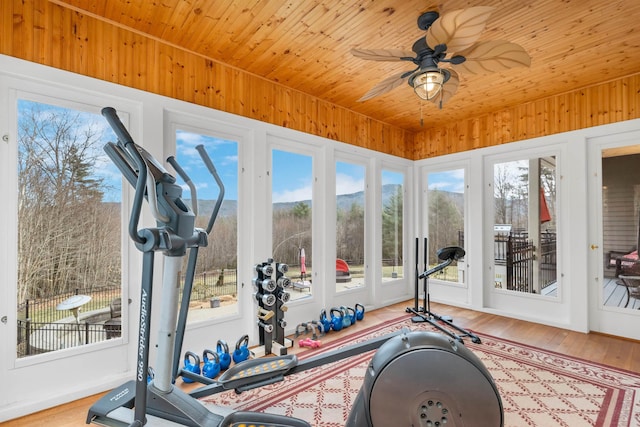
142 171
212 169
125 140
121 132
192 188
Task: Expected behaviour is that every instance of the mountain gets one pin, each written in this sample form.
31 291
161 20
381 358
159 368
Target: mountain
205 207
343 202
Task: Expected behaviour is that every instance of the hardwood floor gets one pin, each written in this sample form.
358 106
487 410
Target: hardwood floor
613 351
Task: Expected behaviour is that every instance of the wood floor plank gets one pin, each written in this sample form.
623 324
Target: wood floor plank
608 350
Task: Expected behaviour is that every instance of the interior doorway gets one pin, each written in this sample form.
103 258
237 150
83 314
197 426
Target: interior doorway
614 194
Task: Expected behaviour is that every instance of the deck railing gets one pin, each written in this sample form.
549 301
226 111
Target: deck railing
42 328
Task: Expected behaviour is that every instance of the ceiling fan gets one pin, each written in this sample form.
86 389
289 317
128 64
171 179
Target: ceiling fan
451 40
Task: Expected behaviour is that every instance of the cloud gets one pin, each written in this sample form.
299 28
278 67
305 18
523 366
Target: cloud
346 184
295 195
452 181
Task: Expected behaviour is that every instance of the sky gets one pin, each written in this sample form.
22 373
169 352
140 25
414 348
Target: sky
291 173
223 155
451 180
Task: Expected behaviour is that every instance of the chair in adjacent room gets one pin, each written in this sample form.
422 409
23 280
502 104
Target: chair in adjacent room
632 285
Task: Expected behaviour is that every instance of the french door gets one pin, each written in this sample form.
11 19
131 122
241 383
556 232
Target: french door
614 224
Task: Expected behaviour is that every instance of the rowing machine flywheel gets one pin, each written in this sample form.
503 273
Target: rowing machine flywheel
421 379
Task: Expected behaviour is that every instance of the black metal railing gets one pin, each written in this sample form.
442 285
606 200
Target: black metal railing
43 328
43 337
520 256
215 283
43 310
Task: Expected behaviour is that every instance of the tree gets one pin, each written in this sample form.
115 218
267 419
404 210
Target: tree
301 210
392 227
445 220
292 231
502 190
67 238
350 234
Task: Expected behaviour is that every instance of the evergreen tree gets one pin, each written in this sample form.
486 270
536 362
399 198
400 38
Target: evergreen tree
392 227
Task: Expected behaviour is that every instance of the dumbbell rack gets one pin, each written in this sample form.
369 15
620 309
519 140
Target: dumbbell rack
272 296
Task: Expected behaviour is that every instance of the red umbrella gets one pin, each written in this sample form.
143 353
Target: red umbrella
545 215
303 267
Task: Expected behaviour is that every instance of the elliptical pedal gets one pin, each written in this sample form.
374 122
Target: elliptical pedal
254 373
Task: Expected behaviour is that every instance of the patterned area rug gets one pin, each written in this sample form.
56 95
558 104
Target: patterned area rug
537 387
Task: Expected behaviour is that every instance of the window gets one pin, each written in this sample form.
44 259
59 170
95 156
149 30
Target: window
350 225
446 195
215 286
525 225
291 195
69 232
392 196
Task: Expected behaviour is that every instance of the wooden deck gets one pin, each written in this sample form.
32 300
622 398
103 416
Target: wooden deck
615 295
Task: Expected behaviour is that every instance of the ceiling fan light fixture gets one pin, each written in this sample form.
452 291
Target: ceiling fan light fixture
428 83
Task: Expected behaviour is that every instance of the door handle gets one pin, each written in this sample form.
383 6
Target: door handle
593 247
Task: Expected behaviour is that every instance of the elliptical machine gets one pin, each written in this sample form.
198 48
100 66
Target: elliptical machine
136 402
415 378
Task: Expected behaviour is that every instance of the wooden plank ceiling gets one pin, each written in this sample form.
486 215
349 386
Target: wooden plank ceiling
305 45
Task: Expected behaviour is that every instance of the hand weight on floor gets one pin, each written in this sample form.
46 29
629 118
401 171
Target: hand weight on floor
191 364
351 314
241 353
326 323
336 319
223 354
359 311
346 319
211 366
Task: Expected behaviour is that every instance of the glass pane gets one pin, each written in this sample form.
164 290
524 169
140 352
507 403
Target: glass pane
446 193
69 242
292 177
620 227
524 226
350 202
392 203
215 286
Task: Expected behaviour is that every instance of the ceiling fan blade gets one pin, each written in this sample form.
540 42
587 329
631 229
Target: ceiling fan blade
448 89
493 56
383 54
458 29
385 86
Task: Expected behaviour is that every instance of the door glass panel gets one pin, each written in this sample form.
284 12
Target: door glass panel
392 196
620 227
525 226
69 241
446 194
215 285
350 217
292 177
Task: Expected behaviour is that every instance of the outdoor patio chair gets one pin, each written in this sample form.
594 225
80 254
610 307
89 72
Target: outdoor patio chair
624 262
113 326
632 285
302 285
